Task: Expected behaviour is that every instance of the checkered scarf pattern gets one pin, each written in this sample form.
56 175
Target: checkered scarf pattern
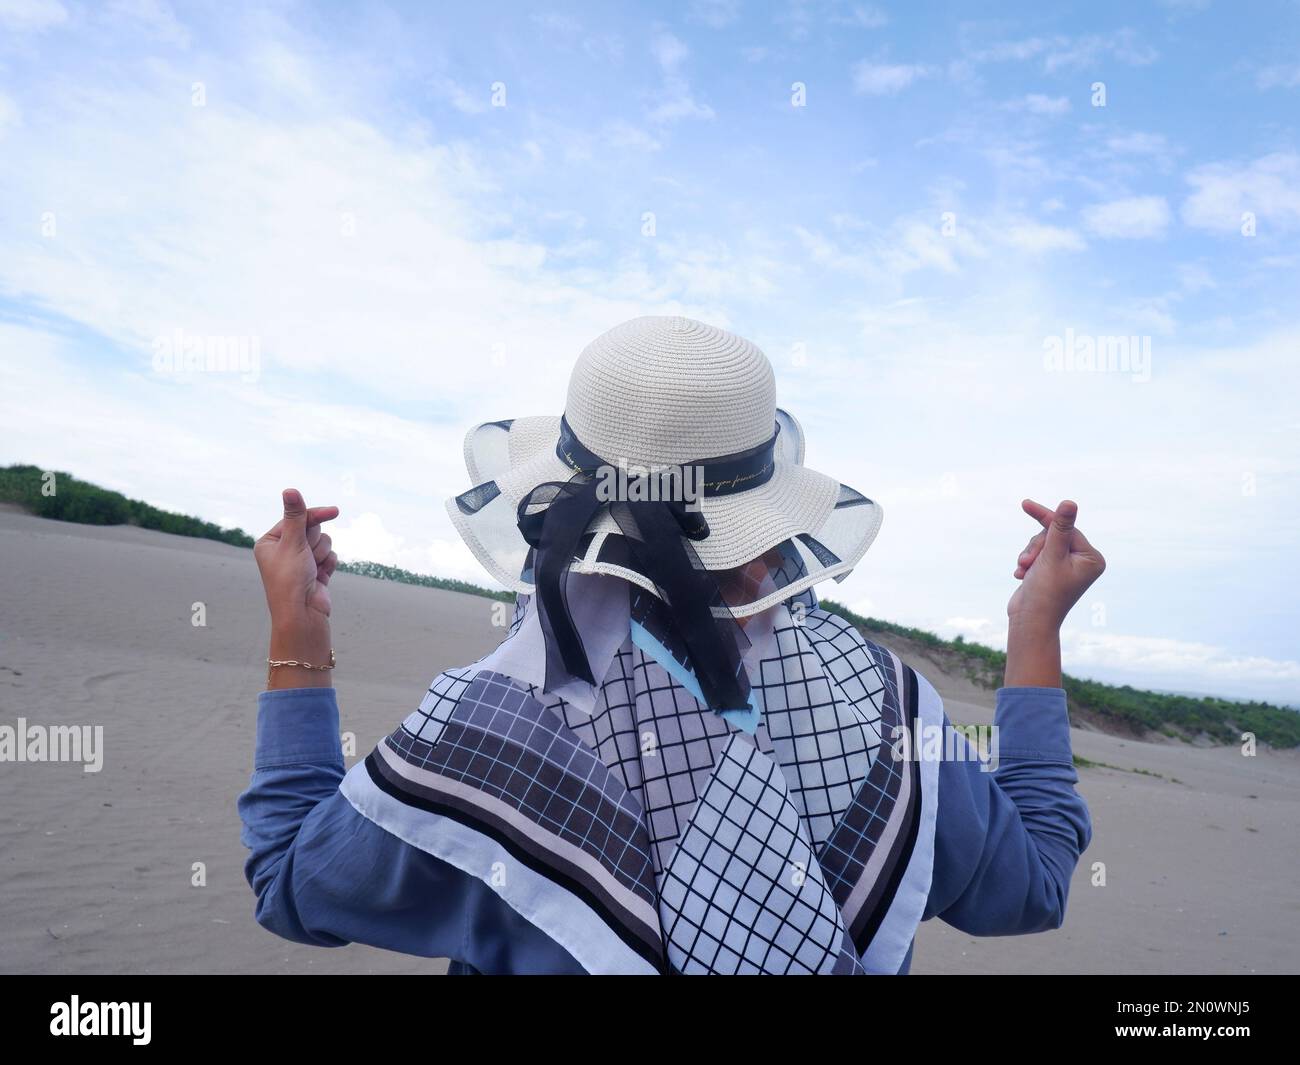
645 833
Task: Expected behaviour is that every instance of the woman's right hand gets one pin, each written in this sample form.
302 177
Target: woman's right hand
1056 567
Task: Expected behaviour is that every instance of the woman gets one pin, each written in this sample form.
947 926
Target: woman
675 761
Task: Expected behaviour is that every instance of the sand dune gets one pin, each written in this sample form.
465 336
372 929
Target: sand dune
95 868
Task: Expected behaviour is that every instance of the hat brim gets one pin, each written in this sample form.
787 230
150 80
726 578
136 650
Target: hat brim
822 527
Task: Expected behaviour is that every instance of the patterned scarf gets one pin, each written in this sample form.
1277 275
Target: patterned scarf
644 832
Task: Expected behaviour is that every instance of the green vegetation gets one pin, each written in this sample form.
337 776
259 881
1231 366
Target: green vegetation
381 572
50 494
1221 720
88 504
983 665
1179 716
1087 763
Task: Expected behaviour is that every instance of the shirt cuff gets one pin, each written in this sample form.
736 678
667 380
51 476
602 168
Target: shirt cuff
1033 723
297 725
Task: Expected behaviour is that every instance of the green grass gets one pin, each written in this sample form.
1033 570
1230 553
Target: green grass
381 572
1087 763
68 499
1179 716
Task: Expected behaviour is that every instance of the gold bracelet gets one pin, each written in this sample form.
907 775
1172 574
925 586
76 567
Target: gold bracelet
271 663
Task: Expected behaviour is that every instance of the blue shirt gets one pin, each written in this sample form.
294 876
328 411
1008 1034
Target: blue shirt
1006 844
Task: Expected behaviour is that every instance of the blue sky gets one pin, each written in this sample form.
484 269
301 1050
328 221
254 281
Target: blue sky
342 186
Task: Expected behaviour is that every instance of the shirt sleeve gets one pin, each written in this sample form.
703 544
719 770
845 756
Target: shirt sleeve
325 875
1007 841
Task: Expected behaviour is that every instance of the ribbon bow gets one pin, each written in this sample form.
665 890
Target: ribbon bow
555 515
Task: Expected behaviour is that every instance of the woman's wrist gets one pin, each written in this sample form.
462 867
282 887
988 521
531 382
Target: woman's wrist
300 638
1033 654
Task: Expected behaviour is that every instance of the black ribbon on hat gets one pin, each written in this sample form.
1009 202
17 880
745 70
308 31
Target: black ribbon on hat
554 516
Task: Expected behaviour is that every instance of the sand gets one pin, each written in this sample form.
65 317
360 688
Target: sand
96 868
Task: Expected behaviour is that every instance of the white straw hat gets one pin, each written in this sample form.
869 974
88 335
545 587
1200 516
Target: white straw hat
658 392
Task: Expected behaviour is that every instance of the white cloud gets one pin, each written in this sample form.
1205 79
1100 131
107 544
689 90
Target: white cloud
353 256
1062 52
1017 51
983 629
669 51
1147 315
287 70
557 22
1222 193
913 244
464 101
1038 104
715 14
862 17
625 135
155 16
796 17
1176 664
675 101
908 246
10 115
885 79
1035 237
445 304
1138 144
1194 277
677 104
1279 77
1162 663
1135 218
367 538
1081 52
569 32
212 445
32 15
